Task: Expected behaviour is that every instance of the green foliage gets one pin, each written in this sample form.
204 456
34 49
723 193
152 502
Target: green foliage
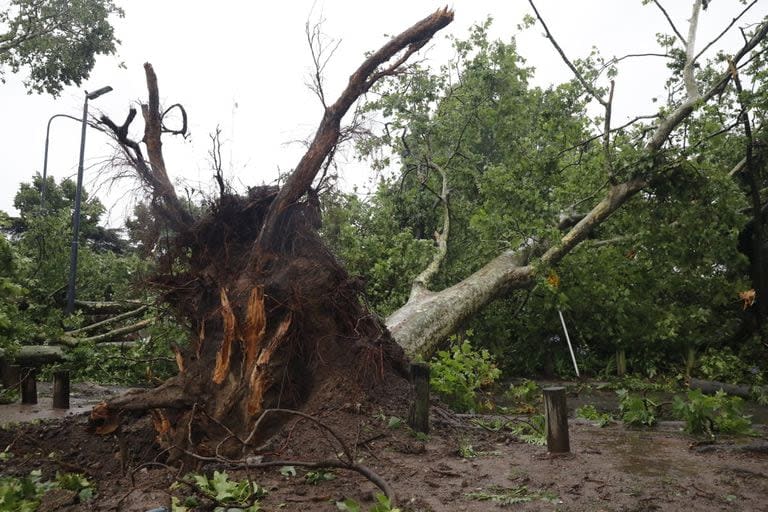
319 476
525 396
724 366
659 278
589 412
23 494
228 492
506 496
637 411
382 504
372 245
147 360
35 253
712 414
533 431
57 41
459 372
527 392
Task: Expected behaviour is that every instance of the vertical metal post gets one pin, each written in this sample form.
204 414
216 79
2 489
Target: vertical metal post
76 220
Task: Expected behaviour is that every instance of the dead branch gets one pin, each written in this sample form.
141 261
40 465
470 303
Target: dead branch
726 29
114 319
690 57
215 154
153 173
321 55
107 307
328 131
72 341
587 86
669 20
607 134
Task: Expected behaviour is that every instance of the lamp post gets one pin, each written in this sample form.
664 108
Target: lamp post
78 194
45 159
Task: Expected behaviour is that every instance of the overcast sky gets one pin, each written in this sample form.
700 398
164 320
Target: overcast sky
243 66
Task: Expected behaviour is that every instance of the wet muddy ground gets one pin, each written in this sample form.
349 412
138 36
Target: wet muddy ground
609 469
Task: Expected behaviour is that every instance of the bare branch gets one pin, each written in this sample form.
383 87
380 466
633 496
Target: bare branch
671 23
328 132
114 319
320 57
107 336
152 173
215 154
587 86
726 29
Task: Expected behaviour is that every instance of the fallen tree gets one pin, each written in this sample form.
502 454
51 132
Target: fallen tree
277 321
55 350
430 316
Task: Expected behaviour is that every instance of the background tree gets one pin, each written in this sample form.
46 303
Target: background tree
55 41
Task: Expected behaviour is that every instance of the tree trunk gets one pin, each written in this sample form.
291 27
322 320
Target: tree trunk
710 387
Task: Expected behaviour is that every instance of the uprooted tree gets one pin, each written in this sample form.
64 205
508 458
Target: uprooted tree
277 321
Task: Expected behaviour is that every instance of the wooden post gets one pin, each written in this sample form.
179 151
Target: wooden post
61 389
418 418
556 414
621 363
11 376
28 386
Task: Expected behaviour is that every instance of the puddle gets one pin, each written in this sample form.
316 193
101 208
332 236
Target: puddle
83 396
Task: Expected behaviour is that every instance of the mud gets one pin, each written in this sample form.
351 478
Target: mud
609 469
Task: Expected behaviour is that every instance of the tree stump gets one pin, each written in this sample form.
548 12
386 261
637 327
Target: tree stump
556 414
61 389
28 386
419 414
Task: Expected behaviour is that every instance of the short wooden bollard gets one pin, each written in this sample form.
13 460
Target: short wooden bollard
556 414
28 386
418 418
61 389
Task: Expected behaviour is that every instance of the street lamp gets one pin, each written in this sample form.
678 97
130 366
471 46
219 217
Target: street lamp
78 193
45 159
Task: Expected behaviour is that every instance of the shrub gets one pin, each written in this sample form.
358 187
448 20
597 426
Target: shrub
589 412
636 411
459 372
710 414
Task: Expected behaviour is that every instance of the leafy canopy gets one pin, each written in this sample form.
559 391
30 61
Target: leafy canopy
55 41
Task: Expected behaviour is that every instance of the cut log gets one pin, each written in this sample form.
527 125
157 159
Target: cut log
710 387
